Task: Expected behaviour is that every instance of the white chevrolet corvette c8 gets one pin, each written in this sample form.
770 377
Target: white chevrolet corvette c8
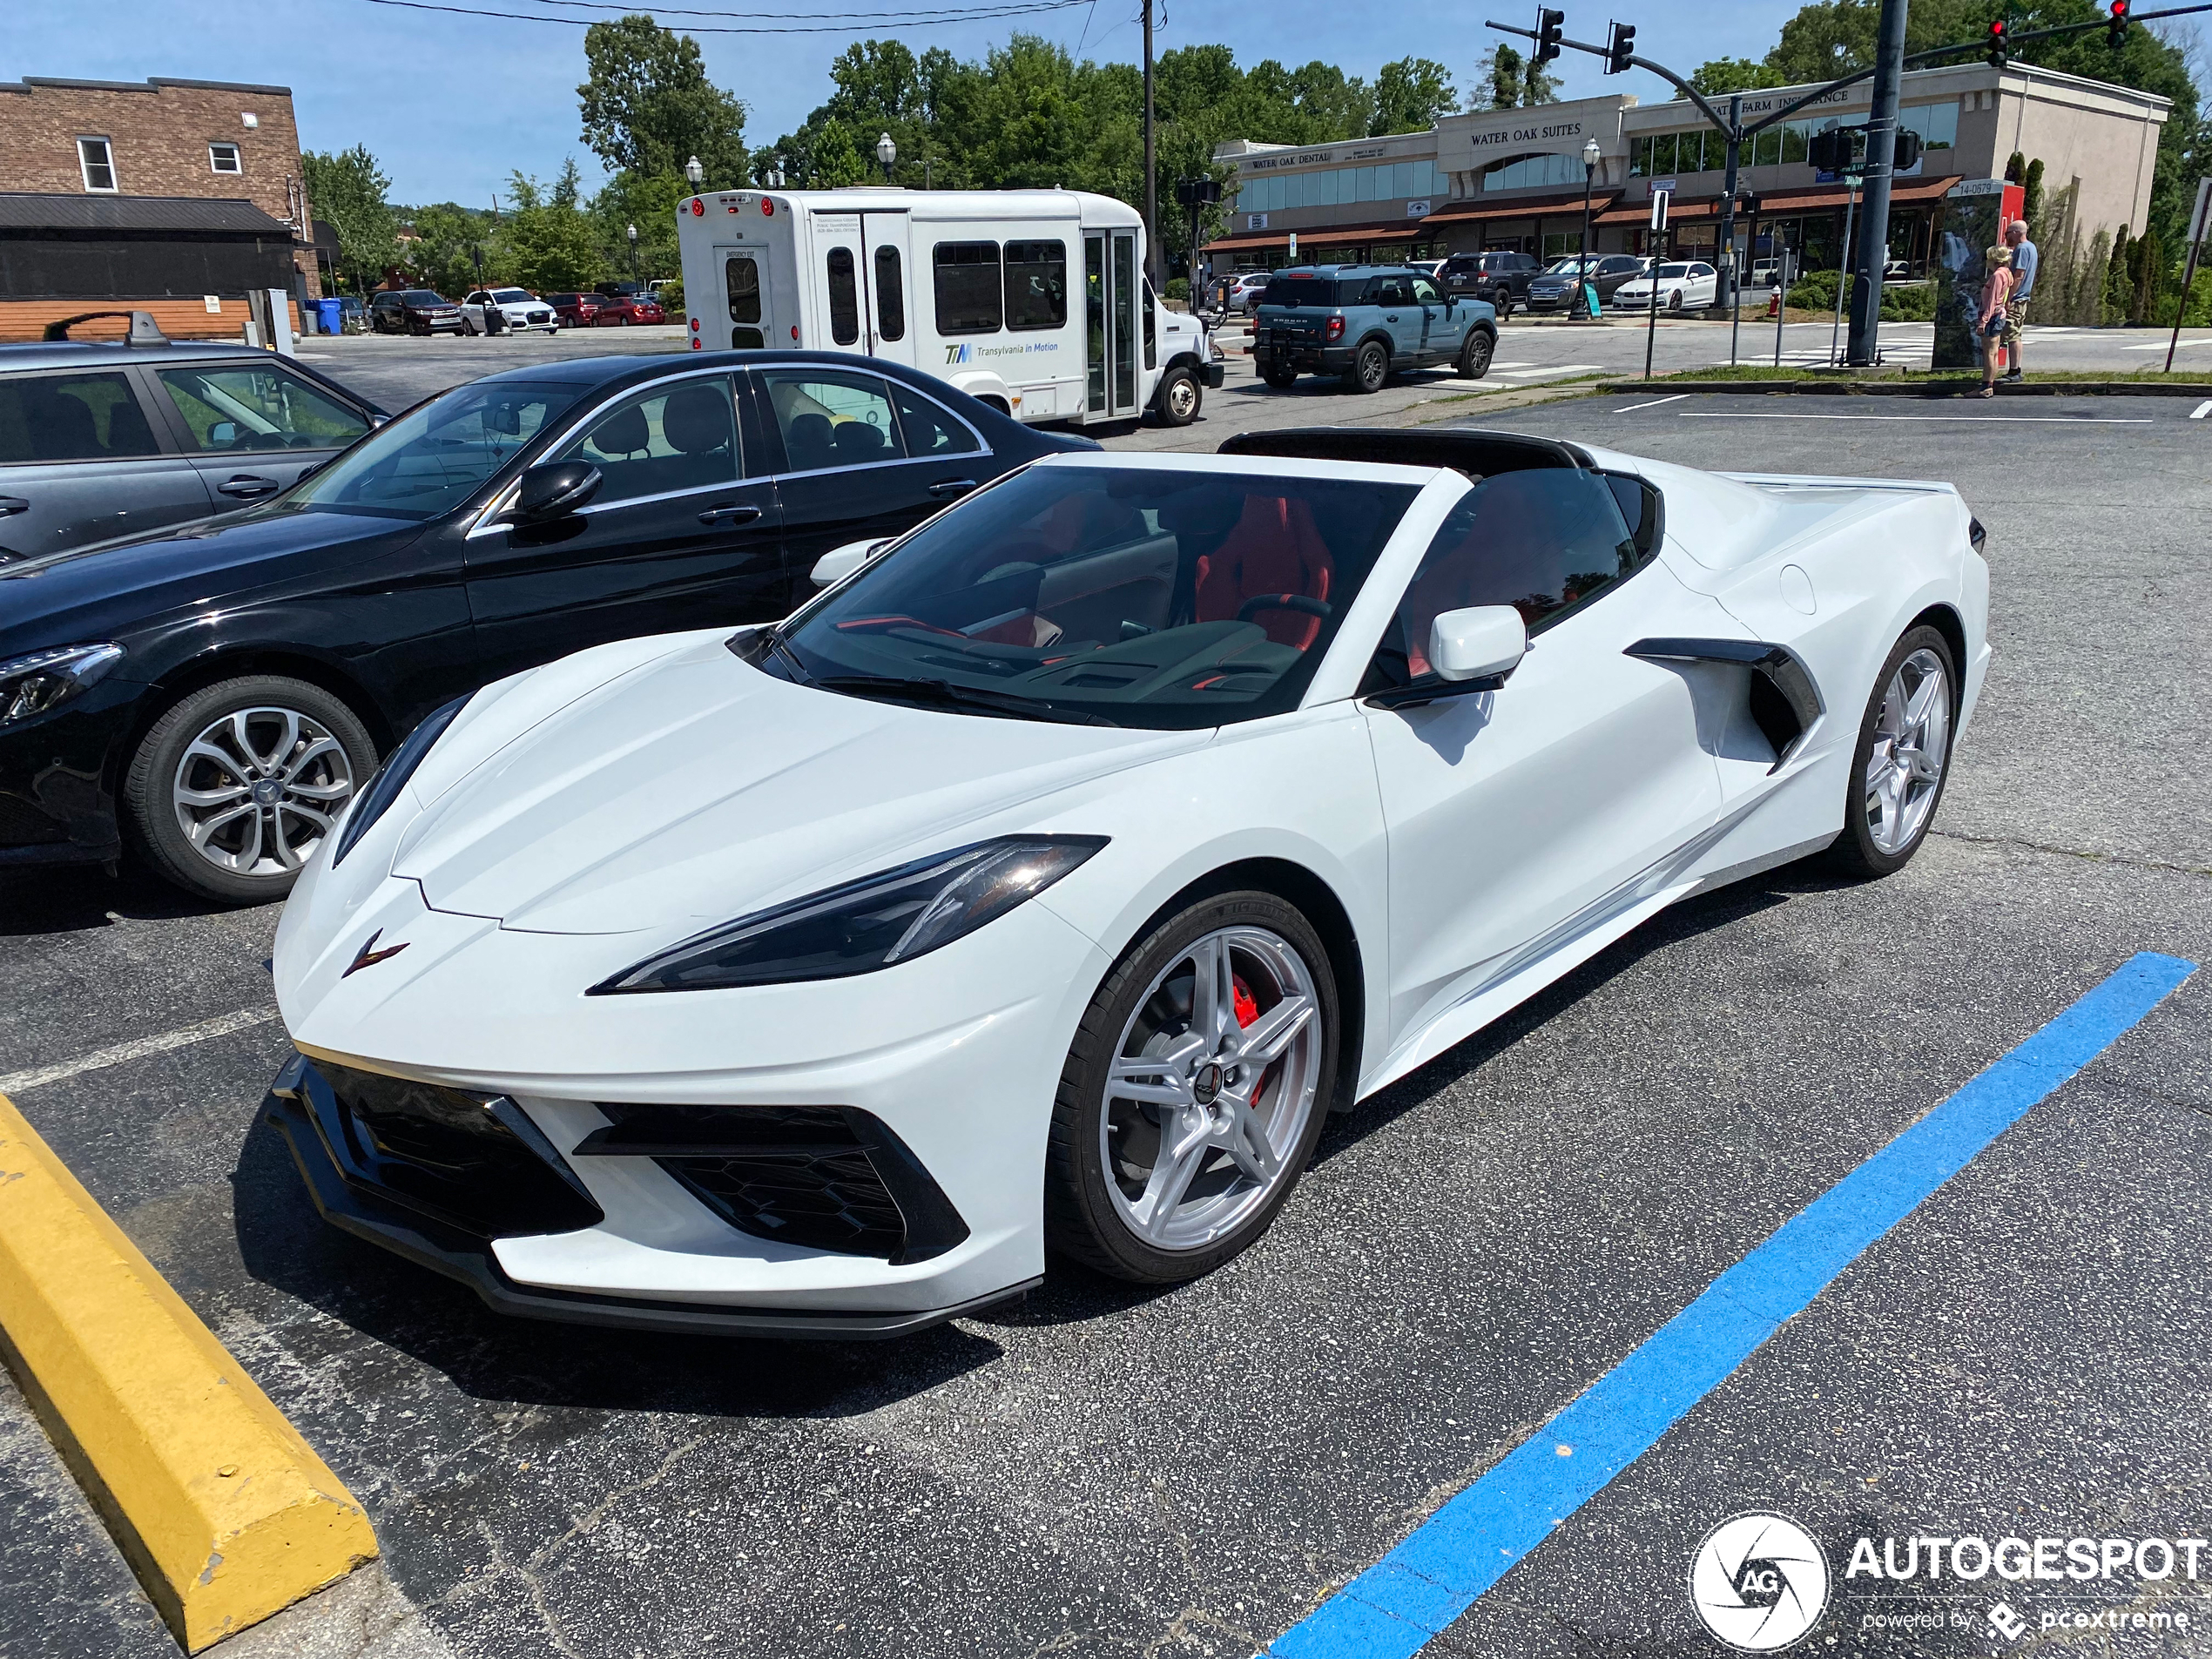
1044 882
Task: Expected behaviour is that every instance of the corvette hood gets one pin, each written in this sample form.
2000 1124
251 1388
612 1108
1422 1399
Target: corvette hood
691 788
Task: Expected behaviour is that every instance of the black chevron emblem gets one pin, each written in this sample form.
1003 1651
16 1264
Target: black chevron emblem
369 955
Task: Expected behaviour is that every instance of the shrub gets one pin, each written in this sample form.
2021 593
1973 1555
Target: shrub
1179 288
1908 302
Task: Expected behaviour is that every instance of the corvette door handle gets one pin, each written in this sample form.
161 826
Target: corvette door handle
13 504
952 486
729 515
246 486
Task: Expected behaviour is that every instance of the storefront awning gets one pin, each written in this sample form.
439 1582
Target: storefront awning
1469 212
1323 236
1812 199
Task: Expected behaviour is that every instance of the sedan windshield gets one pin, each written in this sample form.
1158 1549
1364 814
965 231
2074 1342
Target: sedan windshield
1163 598
511 297
430 459
1667 272
1566 266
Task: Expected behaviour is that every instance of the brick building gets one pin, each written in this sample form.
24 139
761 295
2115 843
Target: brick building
174 196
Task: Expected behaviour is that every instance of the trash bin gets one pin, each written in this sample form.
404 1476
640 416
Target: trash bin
327 317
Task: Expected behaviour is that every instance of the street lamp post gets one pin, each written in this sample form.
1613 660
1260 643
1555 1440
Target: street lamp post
886 152
1590 153
695 173
633 253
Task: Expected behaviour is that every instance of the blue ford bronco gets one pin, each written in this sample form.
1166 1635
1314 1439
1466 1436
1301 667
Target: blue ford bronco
1364 321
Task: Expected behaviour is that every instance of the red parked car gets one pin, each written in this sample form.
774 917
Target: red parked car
620 310
576 310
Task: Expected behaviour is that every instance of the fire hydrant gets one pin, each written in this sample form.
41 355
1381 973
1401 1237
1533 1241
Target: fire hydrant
1773 305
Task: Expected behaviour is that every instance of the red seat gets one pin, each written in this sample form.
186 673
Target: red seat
1275 549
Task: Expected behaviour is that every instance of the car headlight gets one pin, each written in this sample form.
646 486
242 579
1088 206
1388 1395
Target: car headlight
866 925
46 679
384 788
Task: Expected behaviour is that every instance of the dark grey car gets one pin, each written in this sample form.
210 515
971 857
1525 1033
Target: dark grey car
100 441
1555 290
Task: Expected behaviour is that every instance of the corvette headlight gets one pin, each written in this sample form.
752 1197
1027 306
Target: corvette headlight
384 788
865 925
46 679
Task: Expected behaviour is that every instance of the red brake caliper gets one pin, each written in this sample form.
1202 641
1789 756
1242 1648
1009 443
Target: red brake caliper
1247 1009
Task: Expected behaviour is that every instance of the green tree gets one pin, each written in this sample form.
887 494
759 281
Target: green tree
1412 93
1511 81
648 107
448 238
347 192
1724 75
2120 292
552 242
650 204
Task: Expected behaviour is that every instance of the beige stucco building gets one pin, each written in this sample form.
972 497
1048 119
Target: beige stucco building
1515 179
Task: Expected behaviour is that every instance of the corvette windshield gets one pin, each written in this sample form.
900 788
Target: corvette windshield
1164 598
431 458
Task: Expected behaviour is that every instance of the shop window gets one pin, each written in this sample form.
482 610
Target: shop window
96 159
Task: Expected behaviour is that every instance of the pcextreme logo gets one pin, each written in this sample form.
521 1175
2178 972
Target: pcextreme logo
1759 1582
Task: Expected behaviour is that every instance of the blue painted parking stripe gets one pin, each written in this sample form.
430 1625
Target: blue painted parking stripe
1396 1606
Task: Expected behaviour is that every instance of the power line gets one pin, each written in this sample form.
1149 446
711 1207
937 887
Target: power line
984 6
916 20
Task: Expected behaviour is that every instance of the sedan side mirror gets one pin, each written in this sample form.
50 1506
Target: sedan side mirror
554 490
839 562
1481 642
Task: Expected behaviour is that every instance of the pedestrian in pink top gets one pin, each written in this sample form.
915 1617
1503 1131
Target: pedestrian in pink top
1989 321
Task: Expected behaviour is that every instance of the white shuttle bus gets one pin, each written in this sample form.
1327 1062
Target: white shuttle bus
1034 300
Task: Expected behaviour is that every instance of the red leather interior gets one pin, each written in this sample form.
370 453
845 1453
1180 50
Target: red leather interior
1275 548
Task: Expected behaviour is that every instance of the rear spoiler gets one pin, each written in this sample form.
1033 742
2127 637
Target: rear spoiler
144 331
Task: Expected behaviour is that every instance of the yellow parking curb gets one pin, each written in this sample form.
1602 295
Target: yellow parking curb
224 1511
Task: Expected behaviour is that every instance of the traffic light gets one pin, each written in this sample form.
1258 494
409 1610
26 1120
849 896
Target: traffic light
1832 151
1550 23
1620 46
1907 154
2116 30
2000 42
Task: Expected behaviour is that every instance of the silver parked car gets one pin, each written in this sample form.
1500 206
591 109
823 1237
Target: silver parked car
101 439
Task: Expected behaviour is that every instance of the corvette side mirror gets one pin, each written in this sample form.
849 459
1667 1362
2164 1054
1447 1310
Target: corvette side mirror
841 562
1481 642
554 489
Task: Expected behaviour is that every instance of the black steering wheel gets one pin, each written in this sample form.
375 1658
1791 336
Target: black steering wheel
1260 602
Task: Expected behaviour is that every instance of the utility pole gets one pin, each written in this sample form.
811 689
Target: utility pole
1874 226
1726 292
1151 180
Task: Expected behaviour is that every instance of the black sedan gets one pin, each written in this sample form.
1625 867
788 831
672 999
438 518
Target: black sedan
210 698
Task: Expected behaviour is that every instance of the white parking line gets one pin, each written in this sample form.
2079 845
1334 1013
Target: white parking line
1552 369
2202 410
2160 345
2013 419
182 1037
1654 404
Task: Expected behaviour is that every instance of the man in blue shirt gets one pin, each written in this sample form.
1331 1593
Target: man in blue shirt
2024 263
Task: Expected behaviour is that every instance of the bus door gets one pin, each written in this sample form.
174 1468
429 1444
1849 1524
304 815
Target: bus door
745 289
1112 294
839 282
886 286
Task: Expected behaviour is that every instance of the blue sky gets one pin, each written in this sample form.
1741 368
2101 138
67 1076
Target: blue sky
452 105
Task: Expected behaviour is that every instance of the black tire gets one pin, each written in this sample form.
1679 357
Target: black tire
1501 302
149 813
1674 301
1855 853
1370 368
468 327
1179 398
1474 356
1280 379
1082 1221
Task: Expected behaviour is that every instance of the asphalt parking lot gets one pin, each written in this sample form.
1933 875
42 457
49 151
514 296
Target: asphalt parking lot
1101 1471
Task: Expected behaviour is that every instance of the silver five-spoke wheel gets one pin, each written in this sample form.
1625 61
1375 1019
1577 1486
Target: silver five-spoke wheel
1912 743
257 790
1210 1087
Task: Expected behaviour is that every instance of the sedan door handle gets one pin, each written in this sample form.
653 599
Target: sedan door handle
13 504
246 486
952 486
729 515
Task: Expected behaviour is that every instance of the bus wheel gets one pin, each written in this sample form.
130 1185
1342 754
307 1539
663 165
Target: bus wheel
1179 398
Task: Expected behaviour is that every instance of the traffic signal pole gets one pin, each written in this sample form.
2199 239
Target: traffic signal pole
1874 227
